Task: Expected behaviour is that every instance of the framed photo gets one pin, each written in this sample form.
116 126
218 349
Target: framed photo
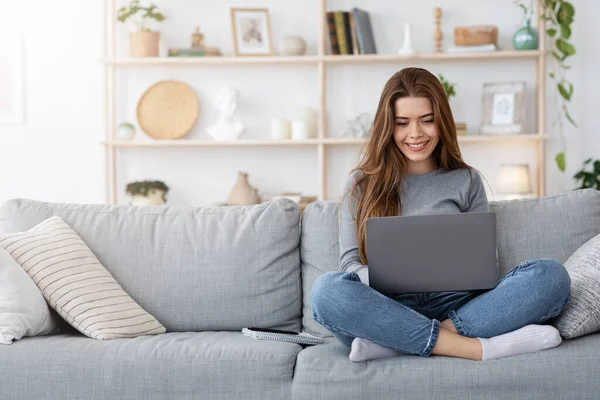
503 108
251 32
11 79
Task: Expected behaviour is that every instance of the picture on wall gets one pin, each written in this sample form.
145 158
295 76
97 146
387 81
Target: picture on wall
11 79
251 31
503 108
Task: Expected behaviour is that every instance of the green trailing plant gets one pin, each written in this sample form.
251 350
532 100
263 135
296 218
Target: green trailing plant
139 15
558 16
144 187
448 87
588 179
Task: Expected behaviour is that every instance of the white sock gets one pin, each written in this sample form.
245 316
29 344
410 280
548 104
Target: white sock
529 339
364 350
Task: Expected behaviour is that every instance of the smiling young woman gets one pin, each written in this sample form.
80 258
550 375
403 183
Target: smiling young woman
413 166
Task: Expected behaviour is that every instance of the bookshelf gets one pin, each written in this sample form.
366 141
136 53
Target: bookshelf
321 60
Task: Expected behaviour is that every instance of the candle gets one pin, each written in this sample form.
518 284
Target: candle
299 129
280 129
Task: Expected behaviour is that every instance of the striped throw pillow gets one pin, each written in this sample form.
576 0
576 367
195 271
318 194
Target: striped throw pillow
75 284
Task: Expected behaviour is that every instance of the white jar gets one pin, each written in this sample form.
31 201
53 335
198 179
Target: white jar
280 129
309 116
299 130
292 46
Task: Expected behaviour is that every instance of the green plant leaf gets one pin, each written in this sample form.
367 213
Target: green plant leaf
589 160
551 74
565 31
557 56
565 66
560 161
578 175
565 47
597 167
571 120
565 13
551 32
522 6
563 92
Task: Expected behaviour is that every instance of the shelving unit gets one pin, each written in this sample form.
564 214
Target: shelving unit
321 60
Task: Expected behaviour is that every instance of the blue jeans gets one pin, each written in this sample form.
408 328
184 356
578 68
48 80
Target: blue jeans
531 293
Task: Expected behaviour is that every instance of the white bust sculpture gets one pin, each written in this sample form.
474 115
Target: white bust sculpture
226 128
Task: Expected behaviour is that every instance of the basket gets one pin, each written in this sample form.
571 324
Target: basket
475 35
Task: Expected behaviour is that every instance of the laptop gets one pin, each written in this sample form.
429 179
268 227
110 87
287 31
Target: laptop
432 253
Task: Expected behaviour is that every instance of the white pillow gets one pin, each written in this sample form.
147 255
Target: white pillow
76 284
23 309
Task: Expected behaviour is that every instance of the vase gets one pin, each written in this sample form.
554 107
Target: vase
526 38
125 131
407 47
292 46
242 193
143 44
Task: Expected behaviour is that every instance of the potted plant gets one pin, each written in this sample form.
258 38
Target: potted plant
143 42
147 193
461 127
588 179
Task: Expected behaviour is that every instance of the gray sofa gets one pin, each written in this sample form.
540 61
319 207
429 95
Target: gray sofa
206 273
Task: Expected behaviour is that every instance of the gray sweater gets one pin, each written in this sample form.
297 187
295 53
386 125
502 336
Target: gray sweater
437 192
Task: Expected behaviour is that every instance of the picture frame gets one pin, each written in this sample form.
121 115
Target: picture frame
503 108
11 79
251 29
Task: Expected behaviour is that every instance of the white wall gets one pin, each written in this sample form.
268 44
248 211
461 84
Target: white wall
55 155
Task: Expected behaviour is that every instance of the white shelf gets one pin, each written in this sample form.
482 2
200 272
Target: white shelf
327 59
305 142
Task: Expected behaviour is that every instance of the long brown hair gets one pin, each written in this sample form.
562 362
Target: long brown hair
383 167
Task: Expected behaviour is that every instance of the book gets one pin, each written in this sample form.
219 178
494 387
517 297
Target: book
484 48
341 31
335 48
194 52
300 338
364 31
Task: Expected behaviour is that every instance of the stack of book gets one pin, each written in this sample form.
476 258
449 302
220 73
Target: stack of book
350 32
195 52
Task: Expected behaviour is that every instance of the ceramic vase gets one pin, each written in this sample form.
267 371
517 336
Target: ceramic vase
125 131
143 44
407 47
526 38
242 193
292 46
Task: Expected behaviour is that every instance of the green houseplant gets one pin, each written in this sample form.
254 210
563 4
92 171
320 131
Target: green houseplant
147 193
143 42
461 127
448 87
588 179
558 16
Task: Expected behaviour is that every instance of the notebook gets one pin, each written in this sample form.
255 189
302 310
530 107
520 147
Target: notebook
300 338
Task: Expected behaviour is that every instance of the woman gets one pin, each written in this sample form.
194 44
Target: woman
413 166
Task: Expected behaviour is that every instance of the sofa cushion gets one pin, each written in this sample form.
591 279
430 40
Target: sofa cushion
75 284
23 309
549 227
582 315
193 269
207 365
319 253
569 371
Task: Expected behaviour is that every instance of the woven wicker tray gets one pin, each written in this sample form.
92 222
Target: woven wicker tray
168 110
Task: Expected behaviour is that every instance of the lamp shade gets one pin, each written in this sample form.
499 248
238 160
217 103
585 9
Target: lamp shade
514 179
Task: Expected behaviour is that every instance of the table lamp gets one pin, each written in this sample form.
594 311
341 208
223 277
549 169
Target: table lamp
514 182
